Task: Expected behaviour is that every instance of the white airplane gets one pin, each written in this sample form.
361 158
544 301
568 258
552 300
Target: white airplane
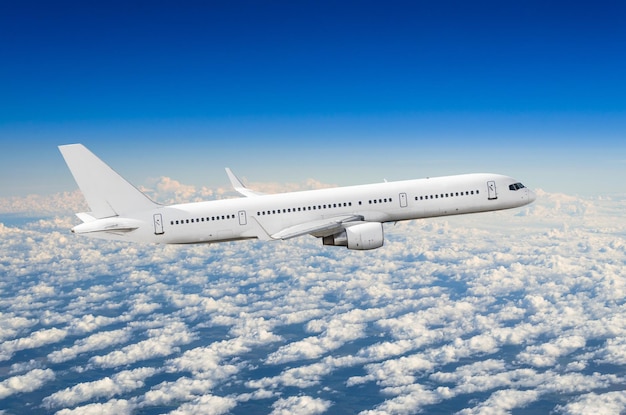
345 216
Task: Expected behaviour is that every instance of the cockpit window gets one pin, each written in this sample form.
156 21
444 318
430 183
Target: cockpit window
516 186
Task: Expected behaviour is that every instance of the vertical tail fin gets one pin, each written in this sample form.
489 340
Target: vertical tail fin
107 193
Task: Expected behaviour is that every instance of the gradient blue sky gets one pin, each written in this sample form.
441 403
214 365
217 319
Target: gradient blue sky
345 92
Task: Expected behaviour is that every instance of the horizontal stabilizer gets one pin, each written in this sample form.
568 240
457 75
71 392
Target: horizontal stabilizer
110 225
86 216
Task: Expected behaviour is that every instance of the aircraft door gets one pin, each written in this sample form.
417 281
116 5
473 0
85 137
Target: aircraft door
403 200
158 224
242 217
491 190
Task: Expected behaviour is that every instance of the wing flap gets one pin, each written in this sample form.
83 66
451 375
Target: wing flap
320 227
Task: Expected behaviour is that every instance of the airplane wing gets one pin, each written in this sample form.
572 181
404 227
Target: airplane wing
239 186
322 227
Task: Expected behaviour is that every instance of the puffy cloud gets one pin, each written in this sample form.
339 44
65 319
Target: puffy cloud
335 335
206 404
108 387
205 361
593 403
304 405
11 325
503 401
114 406
411 399
28 382
300 377
169 191
163 342
183 389
97 341
21 367
36 339
614 351
60 203
547 354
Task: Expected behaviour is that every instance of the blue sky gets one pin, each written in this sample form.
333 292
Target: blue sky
344 93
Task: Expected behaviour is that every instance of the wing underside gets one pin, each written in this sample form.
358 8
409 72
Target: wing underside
318 228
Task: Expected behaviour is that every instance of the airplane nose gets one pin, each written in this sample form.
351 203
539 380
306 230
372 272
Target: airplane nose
531 196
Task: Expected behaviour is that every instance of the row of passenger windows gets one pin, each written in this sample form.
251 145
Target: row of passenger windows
304 209
198 220
320 207
442 195
325 206
385 200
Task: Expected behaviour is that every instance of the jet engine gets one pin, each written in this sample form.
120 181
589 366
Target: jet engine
361 236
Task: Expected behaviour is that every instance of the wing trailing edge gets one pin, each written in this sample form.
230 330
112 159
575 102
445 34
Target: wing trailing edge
317 228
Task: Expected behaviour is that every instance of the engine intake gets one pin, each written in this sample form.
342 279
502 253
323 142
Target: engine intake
362 236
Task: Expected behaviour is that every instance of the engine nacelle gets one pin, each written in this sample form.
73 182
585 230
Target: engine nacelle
361 236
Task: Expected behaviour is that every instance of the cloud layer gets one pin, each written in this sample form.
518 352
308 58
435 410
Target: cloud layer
478 314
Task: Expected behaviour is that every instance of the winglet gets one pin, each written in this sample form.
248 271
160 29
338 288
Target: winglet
239 186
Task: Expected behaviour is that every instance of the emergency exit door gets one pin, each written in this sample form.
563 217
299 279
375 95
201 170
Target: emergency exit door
158 224
491 190
242 217
403 200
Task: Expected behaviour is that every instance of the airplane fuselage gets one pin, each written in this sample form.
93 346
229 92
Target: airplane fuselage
247 218
344 216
